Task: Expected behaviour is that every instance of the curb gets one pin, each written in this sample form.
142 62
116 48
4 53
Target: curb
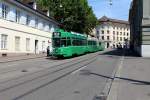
113 93
110 90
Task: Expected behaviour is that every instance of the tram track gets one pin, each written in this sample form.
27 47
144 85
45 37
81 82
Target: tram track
49 72
20 68
17 68
53 80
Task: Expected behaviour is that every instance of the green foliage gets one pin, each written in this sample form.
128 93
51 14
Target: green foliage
75 15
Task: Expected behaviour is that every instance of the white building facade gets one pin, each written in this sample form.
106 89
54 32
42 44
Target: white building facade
113 33
23 29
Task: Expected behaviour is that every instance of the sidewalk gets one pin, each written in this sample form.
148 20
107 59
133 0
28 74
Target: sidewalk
132 81
20 57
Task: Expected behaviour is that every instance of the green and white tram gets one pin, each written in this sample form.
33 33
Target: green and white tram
67 44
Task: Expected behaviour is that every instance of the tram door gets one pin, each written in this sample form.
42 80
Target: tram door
36 46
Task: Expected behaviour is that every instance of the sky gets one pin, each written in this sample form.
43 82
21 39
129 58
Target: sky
118 10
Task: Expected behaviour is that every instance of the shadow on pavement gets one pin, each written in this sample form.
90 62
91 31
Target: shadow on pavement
121 52
134 81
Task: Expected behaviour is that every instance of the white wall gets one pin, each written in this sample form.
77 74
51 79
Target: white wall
145 52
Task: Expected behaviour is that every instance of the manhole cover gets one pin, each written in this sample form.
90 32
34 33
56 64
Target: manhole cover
77 92
24 70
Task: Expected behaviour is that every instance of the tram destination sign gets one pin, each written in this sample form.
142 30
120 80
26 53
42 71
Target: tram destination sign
56 34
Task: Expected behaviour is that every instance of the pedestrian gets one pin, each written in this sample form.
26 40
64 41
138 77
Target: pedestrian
47 51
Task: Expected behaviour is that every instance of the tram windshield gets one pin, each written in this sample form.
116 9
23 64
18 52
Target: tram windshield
56 42
61 42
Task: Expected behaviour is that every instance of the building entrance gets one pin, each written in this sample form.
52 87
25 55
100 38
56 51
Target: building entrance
36 46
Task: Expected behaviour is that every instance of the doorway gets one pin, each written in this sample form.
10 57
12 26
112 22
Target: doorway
36 46
107 45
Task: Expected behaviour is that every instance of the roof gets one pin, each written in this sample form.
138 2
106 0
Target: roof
65 34
27 7
106 19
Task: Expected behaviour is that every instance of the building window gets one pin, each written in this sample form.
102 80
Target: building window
97 32
113 32
117 33
124 39
5 10
17 43
120 38
50 26
107 31
4 41
107 37
108 27
102 31
44 25
36 22
102 37
124 33
43 45
28 20
120 33
27 44
17 16
117 38
127 34
113 38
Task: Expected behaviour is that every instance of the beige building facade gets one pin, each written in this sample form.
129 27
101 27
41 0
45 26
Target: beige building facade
23 29
113 33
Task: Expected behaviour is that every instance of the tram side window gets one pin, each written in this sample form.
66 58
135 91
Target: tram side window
99 43
63 43
76 42
68 42
94 42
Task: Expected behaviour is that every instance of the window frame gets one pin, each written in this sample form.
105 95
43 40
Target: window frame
4 42
17 43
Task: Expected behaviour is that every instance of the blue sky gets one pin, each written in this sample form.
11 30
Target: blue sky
118 10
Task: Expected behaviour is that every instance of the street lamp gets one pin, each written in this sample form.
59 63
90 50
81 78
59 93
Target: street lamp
110 2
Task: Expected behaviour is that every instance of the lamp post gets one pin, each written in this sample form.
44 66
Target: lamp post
110 2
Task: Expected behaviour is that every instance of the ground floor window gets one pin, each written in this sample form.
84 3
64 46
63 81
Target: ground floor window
27 44
4 41
43 45
17 43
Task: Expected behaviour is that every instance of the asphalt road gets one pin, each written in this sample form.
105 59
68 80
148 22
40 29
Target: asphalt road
80 78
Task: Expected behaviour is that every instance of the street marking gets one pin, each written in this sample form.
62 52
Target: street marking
78 70
120 67
12 65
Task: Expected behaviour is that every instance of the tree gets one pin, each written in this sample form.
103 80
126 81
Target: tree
75 15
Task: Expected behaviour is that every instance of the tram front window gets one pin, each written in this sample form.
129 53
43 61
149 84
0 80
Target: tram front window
56 42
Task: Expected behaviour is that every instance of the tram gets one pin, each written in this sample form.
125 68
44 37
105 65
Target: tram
68 44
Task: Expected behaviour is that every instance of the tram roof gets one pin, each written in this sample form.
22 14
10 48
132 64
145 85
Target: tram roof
71 34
